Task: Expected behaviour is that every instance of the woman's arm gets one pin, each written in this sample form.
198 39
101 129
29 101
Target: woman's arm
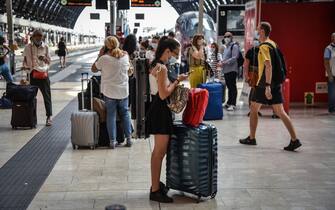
164 89
198 54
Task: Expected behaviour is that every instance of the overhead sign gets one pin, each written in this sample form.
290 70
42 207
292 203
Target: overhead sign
123 4
146 3
76 2
95 16
137 24
139 16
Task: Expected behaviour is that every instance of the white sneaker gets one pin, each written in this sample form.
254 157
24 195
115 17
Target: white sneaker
231 108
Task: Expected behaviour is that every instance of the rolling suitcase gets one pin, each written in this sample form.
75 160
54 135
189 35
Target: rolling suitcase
196 107
214 108
191 162
85 124
24 114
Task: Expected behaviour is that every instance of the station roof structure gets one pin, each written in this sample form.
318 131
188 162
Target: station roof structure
52 12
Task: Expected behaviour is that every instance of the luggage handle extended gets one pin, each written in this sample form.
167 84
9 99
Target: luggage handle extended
82 91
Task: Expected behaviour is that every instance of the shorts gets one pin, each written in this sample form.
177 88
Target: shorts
259 96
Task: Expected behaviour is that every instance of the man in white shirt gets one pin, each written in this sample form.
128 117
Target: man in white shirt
36 58
329 63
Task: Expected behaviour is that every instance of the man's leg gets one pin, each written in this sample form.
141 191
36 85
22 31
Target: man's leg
294 143
6 73
280 112
253 120
331 97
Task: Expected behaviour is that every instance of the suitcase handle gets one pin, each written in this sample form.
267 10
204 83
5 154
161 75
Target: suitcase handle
82 90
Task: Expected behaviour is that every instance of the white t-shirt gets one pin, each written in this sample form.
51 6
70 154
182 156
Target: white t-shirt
114 76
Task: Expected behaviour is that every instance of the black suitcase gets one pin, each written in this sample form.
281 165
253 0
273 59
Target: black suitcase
191 163
24 114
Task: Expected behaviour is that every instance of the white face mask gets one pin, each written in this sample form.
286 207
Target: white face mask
154 45
256 35
256 43
227 40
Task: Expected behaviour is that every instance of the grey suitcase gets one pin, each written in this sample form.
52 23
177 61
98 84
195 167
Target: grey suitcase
85 124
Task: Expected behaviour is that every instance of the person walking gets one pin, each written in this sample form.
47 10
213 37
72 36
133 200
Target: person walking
62 51
267 91
329 63
37 60
159 117
114 65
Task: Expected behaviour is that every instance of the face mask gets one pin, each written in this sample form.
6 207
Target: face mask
256 35
172 59
256 43
227 40
37 43
154 45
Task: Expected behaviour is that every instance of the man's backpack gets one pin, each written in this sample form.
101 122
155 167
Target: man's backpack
278 64
240 59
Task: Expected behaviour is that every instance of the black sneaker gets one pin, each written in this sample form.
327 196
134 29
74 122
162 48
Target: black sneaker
163 188
248 141
293 145
159 196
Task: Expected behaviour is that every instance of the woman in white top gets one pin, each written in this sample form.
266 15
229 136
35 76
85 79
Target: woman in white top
114 65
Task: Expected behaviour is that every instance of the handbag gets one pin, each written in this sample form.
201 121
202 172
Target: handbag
253 76
37 74
178 99
5 103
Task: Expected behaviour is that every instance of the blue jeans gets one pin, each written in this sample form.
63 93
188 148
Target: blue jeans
5 72
331 96
112 105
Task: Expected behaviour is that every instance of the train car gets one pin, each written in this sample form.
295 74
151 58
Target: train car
187 26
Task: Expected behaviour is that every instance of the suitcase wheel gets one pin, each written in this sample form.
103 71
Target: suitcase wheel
92 147
13 127
199 199
213 195
73 146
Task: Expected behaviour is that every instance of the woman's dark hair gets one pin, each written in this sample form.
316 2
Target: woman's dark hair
130 44
62 39
2 40
216 47
195 40
145 44
163 44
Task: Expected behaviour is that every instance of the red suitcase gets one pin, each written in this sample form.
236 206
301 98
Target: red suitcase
196 107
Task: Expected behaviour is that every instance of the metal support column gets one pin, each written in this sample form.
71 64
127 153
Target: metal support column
113 11
10 33
201 16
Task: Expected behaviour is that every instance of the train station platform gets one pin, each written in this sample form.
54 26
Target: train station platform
40 170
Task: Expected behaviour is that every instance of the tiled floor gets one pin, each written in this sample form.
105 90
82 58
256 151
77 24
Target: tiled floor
262 177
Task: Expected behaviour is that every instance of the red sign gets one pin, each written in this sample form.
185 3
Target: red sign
250 24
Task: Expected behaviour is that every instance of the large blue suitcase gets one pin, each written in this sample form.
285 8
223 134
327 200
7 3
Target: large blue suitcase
214 108
191 162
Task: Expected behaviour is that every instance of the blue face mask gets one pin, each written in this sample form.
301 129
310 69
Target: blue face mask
173 60
256 43
256 35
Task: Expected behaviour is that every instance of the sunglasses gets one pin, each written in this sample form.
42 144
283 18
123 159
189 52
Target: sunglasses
226 36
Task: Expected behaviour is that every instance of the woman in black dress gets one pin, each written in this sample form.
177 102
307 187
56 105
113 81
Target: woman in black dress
62 50
159 118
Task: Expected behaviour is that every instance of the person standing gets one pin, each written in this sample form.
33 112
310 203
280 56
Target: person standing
329 63
267 91
196 61
215 59
62 51
159 117
114 65
37 60
4 69
230 68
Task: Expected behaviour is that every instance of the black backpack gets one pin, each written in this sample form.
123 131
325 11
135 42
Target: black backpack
278 64
240 59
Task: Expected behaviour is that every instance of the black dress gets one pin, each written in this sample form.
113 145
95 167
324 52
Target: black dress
61 49
159 117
